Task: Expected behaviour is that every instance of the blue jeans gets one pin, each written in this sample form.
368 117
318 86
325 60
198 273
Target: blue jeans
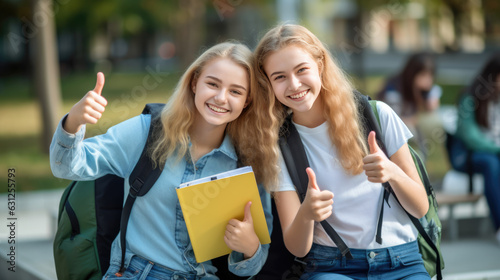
398 262
142 269
488 165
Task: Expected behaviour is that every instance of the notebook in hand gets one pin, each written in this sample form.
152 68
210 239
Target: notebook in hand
209 203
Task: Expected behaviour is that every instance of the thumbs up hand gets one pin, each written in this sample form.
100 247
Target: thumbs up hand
240 236
89 109
378 168
317 204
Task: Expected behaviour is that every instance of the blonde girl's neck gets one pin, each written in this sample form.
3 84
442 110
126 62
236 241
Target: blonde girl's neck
313 117
204 138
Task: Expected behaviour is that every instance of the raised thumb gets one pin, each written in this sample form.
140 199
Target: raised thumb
372 142
248 213
312 178
99 83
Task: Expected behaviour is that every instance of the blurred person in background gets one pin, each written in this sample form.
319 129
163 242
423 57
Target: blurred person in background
413 95
478 126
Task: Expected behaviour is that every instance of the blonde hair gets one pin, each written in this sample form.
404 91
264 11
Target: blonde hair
248 132
340 110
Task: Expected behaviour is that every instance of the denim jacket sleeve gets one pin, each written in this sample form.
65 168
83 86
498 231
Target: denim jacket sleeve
114 152
249 267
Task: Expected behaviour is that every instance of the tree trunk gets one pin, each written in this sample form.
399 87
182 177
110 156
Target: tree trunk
188 31
46 69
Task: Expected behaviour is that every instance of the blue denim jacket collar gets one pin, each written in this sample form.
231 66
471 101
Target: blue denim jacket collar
227 148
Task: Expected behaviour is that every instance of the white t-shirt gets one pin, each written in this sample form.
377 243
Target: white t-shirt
493 132
356 202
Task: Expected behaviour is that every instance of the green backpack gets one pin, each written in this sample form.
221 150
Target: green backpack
429 226
91 213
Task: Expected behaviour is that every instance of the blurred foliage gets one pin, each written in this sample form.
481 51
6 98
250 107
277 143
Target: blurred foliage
19 137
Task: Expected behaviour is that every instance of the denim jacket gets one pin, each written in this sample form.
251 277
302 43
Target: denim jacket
156 229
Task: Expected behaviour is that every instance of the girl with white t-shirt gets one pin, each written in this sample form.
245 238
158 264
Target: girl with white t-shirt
345 187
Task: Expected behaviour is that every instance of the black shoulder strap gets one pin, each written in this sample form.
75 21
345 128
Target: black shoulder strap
371 123
142 177
296 161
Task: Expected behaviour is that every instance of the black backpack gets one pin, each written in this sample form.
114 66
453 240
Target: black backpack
283 265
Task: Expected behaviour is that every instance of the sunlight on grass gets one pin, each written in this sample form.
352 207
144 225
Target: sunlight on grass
20 144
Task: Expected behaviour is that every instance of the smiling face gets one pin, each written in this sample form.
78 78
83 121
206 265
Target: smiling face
295 79
221 91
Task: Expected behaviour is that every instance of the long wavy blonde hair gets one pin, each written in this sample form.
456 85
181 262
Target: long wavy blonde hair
340 110
252 140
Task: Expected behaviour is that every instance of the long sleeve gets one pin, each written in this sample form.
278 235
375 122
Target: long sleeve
469 131
114 152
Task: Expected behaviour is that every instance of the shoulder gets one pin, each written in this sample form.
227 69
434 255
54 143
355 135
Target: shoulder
384 110
394 131
134 125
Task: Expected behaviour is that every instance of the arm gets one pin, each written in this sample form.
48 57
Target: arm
469 131
115 152
401 173
297 220
432 105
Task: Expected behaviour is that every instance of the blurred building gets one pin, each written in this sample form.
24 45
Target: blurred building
128 35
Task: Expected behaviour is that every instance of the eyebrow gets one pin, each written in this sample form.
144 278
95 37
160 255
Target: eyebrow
220 81
281 72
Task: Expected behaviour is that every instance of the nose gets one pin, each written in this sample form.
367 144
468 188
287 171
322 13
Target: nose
220 97
295 84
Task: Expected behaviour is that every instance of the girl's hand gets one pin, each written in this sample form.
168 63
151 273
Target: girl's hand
240 236
317 204
87 110
378 168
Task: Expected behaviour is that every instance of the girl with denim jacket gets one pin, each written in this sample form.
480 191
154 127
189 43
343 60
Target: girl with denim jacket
295 68
209 122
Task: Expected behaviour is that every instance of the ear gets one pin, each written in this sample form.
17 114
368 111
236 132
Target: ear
193 86
247 102
320 68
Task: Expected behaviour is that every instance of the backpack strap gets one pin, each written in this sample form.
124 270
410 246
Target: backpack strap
426 182
371 122
418 224
142 177
296 161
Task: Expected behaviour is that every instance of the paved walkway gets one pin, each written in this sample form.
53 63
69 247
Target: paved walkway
475 255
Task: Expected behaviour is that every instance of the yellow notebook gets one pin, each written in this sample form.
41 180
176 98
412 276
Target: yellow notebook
209 203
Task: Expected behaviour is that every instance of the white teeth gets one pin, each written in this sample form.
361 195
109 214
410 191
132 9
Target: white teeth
217 109
299 95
